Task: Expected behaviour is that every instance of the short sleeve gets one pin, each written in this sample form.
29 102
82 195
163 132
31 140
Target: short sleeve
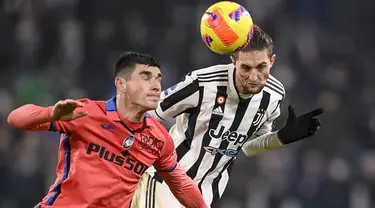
168 157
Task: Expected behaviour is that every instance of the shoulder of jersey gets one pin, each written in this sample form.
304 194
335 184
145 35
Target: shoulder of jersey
93 104
275 87
157 125
214 74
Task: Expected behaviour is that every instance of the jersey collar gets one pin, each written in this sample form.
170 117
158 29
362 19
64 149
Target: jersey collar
111 110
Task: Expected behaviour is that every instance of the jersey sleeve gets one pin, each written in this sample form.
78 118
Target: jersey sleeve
264 139
269 123
178 99
168 157
38 118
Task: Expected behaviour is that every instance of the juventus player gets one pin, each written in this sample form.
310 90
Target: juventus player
220 110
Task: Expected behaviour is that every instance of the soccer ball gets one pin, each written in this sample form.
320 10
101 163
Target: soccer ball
226 27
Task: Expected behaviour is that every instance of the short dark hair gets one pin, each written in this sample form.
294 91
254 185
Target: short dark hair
259 41
126 62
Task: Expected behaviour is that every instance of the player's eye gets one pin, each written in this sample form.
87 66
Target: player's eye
145 77
262 67
245 68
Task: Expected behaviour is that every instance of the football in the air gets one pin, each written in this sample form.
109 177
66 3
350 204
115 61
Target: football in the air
226 27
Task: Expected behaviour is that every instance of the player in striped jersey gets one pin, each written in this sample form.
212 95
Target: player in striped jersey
220 110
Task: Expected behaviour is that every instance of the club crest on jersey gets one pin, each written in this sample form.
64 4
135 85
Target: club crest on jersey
220 100
128 141
258 117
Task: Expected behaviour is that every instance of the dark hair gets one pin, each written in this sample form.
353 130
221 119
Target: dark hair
126 62
259 41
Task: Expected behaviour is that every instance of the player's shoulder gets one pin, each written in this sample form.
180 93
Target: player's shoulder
156 127
212 70
216 74
93 105
275 88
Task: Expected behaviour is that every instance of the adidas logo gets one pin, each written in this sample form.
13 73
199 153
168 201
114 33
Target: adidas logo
218 111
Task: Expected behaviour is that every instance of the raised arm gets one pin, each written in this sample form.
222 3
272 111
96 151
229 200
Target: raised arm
177 99
295 129
59 117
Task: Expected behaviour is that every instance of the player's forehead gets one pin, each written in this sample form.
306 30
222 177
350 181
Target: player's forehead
142 68
253 57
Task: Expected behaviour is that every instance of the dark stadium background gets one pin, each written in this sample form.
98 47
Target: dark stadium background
55 49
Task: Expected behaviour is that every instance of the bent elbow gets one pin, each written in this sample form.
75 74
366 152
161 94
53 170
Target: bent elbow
247 151
11 119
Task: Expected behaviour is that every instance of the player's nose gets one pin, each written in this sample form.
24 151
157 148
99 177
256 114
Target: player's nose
253 77
156 86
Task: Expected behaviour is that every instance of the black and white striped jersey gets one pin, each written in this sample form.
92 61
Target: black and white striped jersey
213 123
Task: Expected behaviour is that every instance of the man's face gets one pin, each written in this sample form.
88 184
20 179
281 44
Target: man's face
252 70
144 87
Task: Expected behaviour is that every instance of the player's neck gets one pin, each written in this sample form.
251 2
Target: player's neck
130 111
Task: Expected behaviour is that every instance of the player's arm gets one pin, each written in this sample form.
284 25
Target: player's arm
182 186
264 139
178 99
59 117
295 129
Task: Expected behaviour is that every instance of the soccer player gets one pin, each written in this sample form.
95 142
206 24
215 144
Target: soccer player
106 146
220 110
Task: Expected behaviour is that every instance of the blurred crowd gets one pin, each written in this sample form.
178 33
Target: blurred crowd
56 49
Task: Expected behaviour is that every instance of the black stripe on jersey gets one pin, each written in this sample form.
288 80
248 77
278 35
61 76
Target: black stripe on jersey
278 105
262 109
276 81
147 192
184 147
269 82
215 184
153 193
214 72
151 188
179 95
213 76
274 89
240 113
213 80
213 124
156 113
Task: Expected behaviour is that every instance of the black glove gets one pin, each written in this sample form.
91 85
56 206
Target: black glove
297 128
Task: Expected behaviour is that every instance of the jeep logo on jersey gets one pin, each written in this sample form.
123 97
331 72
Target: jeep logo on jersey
128 142
233 136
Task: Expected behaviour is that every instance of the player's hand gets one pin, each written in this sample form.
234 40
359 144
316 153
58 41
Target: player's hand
297 128
64 110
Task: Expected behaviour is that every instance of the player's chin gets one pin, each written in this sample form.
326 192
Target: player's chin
151 104
254 89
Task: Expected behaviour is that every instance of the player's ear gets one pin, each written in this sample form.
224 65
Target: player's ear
120 84
272 60
232 58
